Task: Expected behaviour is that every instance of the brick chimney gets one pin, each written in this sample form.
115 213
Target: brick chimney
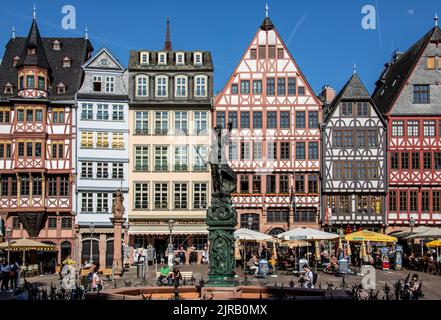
327 94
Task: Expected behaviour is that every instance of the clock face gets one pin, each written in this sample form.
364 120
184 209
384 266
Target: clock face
104 62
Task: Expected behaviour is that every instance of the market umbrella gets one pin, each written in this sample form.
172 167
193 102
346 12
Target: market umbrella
27 245
295 243
434 243
432 233
365 235
251 235
237 255
307 234
406 233
317 251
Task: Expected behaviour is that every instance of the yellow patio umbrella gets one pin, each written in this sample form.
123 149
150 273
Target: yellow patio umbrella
69 261
434 243
366 235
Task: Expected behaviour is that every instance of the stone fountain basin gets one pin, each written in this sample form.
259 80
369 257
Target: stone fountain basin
236 293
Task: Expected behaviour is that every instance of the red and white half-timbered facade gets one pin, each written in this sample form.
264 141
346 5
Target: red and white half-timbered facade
408 93
38 81
275 141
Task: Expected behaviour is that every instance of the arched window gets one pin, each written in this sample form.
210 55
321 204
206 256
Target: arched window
142 86
255 223
161 86
200 88
85 252
181 84
276 231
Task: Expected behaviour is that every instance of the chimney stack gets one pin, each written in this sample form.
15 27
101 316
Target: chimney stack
327 95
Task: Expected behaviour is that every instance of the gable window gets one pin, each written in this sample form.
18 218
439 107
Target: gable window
198 59
232 118
421 93
257 86
245 87
234 88
271 52
362 109
292 86
96 83
141 86
346 109
66 62
61 88
430 63
262 52
270 86
280 53
161 86
179 58
397 128
144 58
301 91
162 58
281 86
201 86
110 84
181 86
253 54
8 88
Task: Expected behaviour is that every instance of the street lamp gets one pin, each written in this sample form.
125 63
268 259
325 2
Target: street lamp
91 229
171 223
412 225
8 238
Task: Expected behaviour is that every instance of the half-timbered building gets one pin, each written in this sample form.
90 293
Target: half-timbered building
275 141
39 78
353 161
408 94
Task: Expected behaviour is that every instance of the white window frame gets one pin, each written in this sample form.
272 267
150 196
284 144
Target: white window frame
141 156
200 157
161 121
200 86
142 193
118 170
104 199
102 112
198 59
181 86
102 170
141 118
161 82
142 87
180 58
88 198
161 190
200 192
180 196
162 58
110 84
181 157
117 112
86 170
181 122
142 55
200 122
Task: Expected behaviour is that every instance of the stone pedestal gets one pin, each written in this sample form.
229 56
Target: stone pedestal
222 293
117 245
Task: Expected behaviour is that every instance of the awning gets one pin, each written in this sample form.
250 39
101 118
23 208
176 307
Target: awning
164 230
26 245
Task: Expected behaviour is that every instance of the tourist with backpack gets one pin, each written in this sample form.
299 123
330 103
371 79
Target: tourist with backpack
308 279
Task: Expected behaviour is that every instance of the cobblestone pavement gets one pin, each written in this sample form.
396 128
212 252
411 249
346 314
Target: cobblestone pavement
431 283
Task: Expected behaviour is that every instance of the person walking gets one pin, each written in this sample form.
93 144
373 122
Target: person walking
307 278
6 270
97 282
15 274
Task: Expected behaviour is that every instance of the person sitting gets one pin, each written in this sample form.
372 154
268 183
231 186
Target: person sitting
176 276
414 287
332 266
204 259
164 273
253 265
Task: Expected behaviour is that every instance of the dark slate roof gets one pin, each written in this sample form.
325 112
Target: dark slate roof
77 49
353 90
398 70
34 41
134 63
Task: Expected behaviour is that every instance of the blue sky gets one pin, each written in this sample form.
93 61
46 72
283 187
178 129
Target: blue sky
325 37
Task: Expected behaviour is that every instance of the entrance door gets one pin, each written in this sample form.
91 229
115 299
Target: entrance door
160 247
85 252
109 254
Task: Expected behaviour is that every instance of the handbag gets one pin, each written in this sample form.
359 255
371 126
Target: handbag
11 275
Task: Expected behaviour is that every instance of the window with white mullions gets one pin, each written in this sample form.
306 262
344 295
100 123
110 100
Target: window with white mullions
161 158
102 170
141 123
117 171
141 86
102 112
110 84
141 158
87 111
161 86
117 112
181 196
161 196
86 170
87 202
181 86
102 202
200 122
181 158
200 194
181 123
200 158
141 196
161 123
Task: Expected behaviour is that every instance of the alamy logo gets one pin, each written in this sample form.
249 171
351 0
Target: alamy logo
369 21
69 21
369 281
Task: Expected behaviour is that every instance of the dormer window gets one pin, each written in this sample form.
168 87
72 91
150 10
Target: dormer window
66 62
198 58
97 83
144 58
15 60
180 58
8 88
31 51
56 45
61 88
162 58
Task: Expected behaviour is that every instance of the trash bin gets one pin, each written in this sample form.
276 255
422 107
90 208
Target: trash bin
140 270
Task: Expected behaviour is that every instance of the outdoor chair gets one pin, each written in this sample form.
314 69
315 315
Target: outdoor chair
29 271
431 268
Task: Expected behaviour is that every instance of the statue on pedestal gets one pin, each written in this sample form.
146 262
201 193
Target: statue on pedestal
117 221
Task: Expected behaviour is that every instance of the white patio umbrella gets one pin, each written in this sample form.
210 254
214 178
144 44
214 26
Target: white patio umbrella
307 234
251 235
432 233
416 230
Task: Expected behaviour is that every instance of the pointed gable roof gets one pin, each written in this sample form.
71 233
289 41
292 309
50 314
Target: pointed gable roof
353 90
33 41
398 71
106 53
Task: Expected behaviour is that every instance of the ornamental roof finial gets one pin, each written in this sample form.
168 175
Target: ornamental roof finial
266 10
35 13
436 19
